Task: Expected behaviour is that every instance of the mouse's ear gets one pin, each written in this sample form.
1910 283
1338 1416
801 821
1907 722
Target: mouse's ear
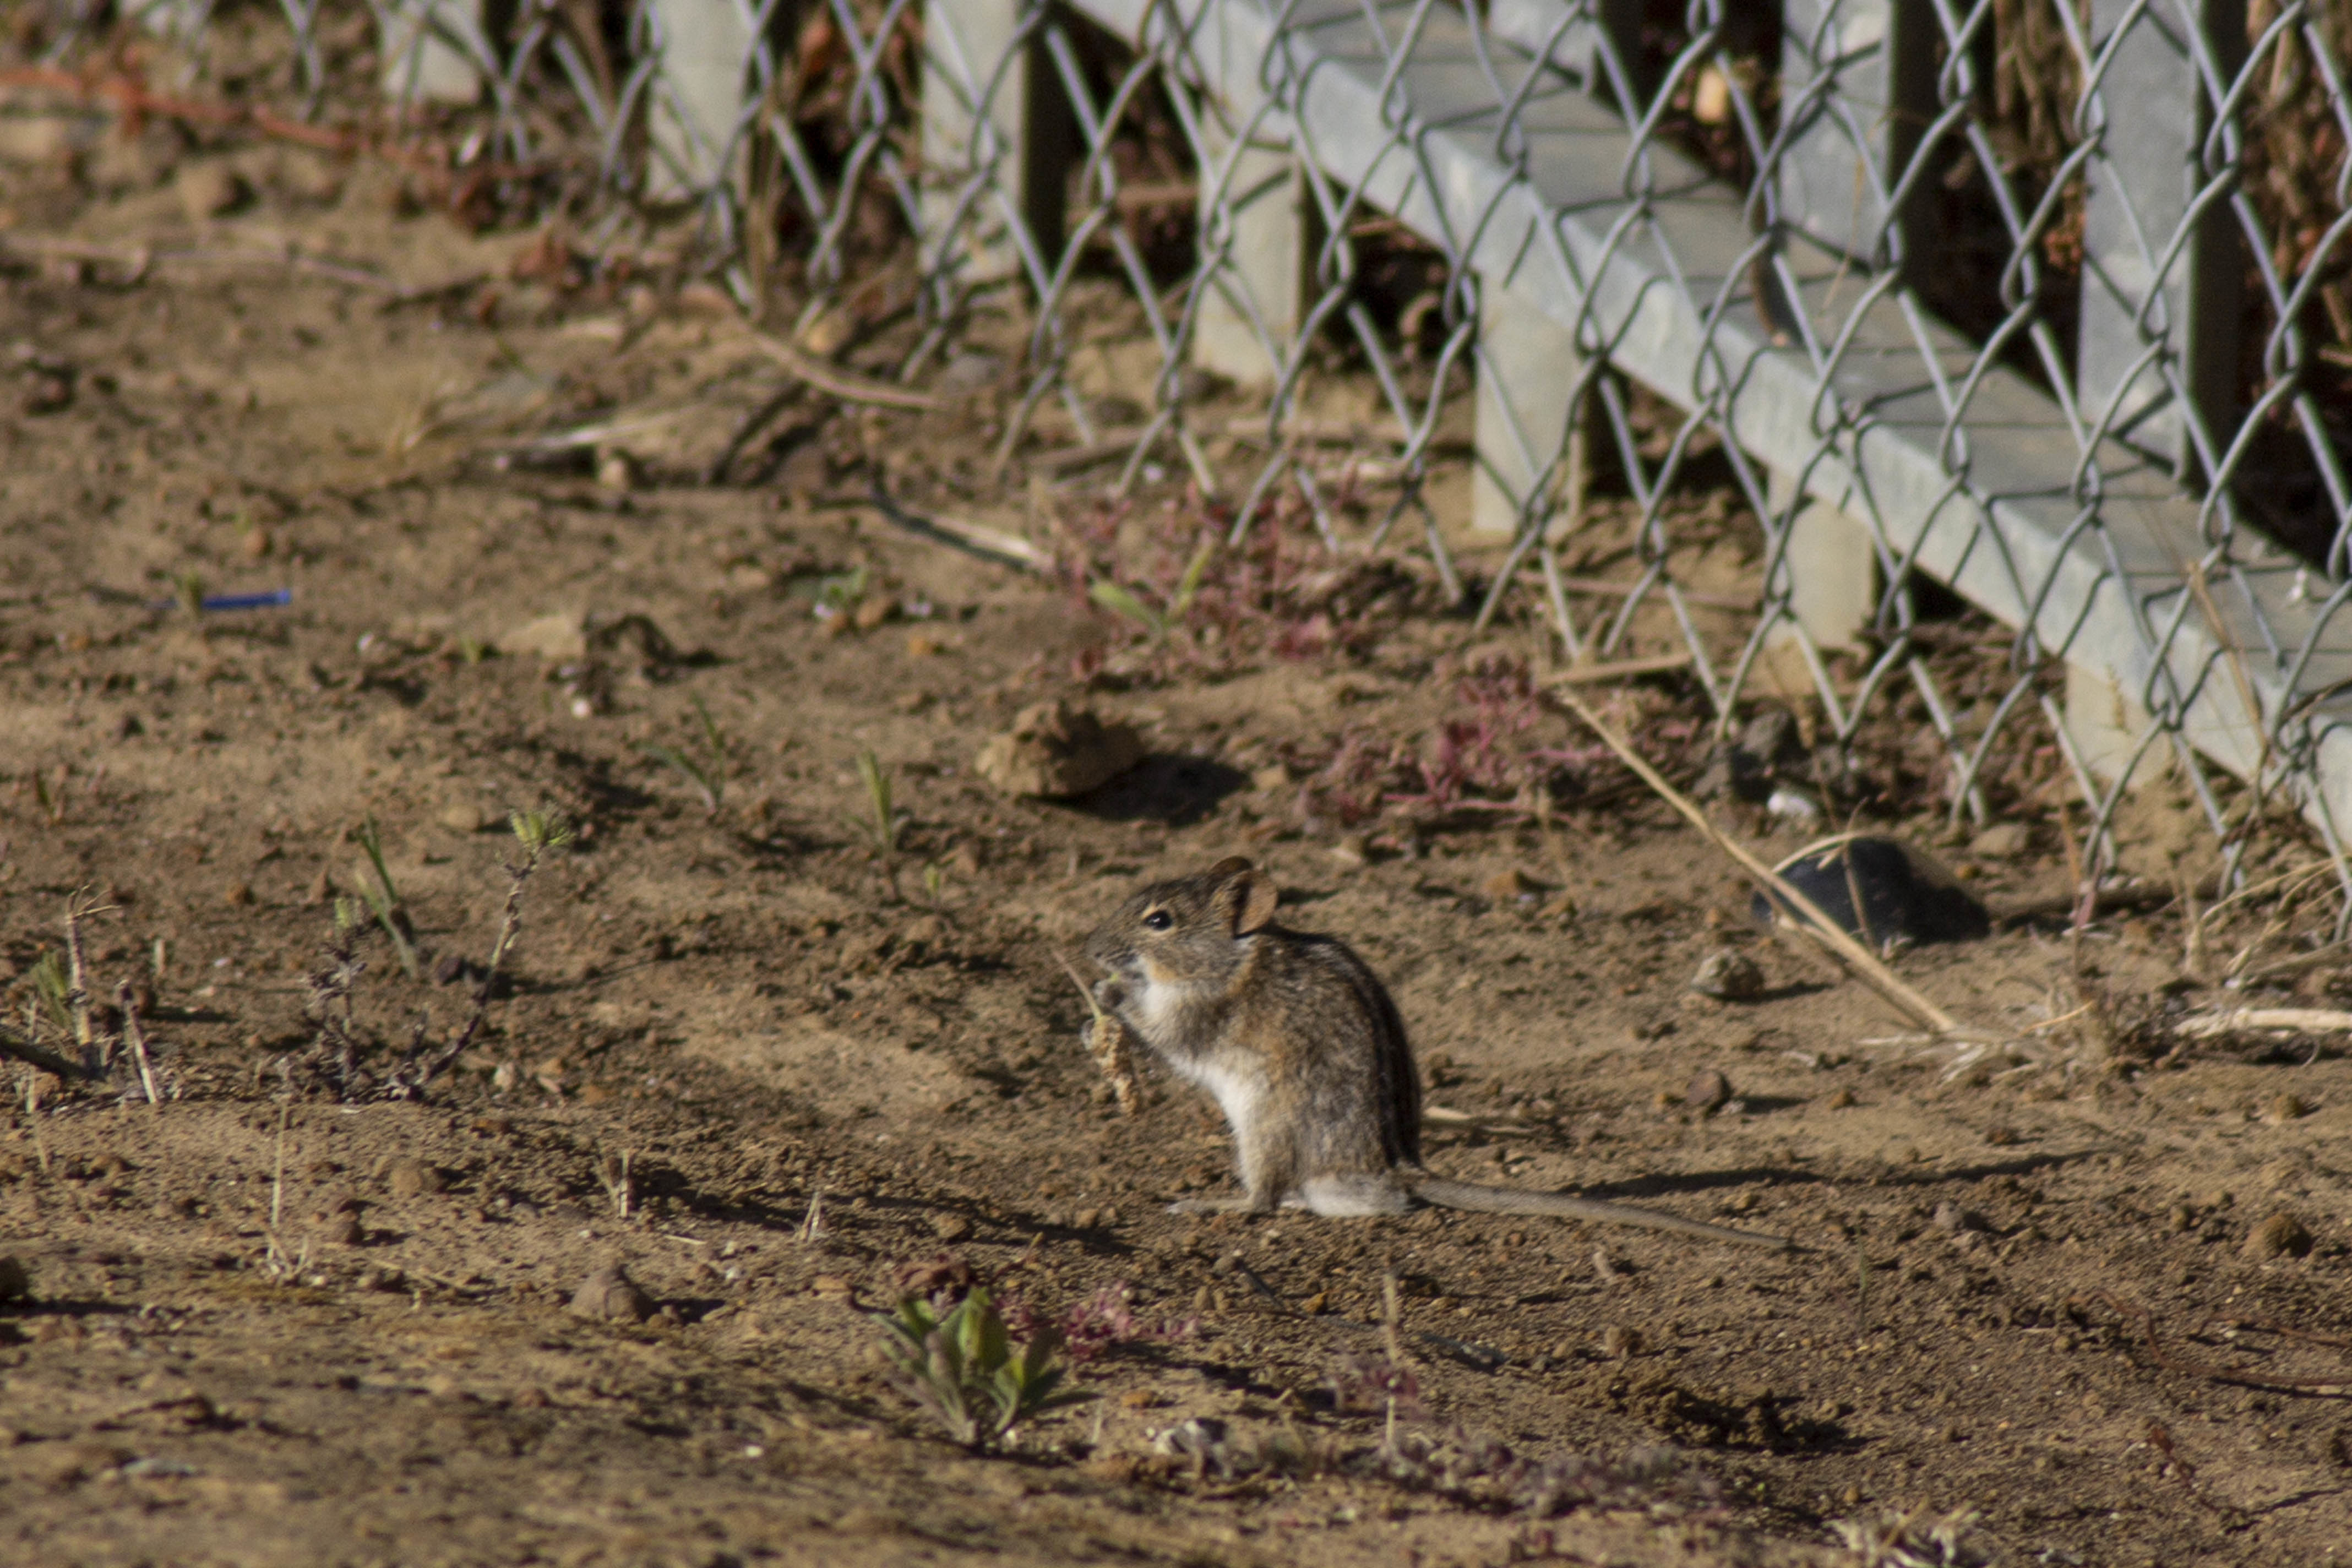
1247 895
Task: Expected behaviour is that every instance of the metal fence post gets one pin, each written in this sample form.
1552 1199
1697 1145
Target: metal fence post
997 138
1527 370
420 63
706 60
1857 87
1830 587
1257 249
2162 286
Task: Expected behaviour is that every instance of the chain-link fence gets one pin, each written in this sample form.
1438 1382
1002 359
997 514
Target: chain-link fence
2045 303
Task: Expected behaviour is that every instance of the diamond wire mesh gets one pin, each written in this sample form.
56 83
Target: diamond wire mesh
1997 238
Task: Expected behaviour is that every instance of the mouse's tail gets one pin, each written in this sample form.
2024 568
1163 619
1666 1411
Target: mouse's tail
1477 1199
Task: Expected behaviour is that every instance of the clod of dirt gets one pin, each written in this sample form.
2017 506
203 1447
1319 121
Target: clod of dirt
15 1282
611 1293
340 1230
63 1464
238 894
1509 886
556 637
1618 1341
2280 1110
409 1178
2280 1235
950 1228
207 191
1838 1099
2002 841
321 888
1708 1089
1730 975
1352 852
1056 750
463 816
1954 1218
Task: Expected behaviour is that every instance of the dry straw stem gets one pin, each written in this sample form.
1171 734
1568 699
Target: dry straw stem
138 1038
1827 931
846 384
2248 1020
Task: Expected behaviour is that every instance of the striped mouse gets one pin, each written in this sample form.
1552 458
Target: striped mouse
1299 1043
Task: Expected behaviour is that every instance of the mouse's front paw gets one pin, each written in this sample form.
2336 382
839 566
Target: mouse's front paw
1110 994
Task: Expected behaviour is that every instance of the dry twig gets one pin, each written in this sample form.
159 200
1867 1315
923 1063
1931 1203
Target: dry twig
1857 958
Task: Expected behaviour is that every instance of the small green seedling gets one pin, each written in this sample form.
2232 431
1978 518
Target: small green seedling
935 881
53 988
473 650
540 831
881 829
838 593
52 797
706 766
961 1367
1111 596
188 589
384 899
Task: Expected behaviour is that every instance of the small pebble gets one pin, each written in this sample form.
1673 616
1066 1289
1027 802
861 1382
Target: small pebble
2002 841
462 816
611 1293
1838 1099
1348 851
238 894
951 1227
1731 975
1618 1341
207 190
1707 1090
321 888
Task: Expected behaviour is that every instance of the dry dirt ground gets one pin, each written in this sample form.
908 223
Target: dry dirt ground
270 1322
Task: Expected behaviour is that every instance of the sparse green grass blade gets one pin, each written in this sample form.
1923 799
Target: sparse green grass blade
383 897
1187 589
54 988
1111 596
881 824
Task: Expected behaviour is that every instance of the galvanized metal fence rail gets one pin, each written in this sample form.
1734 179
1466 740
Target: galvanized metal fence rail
2044 301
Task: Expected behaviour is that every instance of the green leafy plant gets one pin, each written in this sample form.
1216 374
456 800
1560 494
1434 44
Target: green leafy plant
835 594
1124 601
961 1367
383 897
707 766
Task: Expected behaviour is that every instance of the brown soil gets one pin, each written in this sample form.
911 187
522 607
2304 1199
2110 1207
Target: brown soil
215 1364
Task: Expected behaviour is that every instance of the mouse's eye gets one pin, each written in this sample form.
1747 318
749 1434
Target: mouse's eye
1159 920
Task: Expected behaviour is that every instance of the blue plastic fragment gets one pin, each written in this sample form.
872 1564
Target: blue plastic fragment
273 599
